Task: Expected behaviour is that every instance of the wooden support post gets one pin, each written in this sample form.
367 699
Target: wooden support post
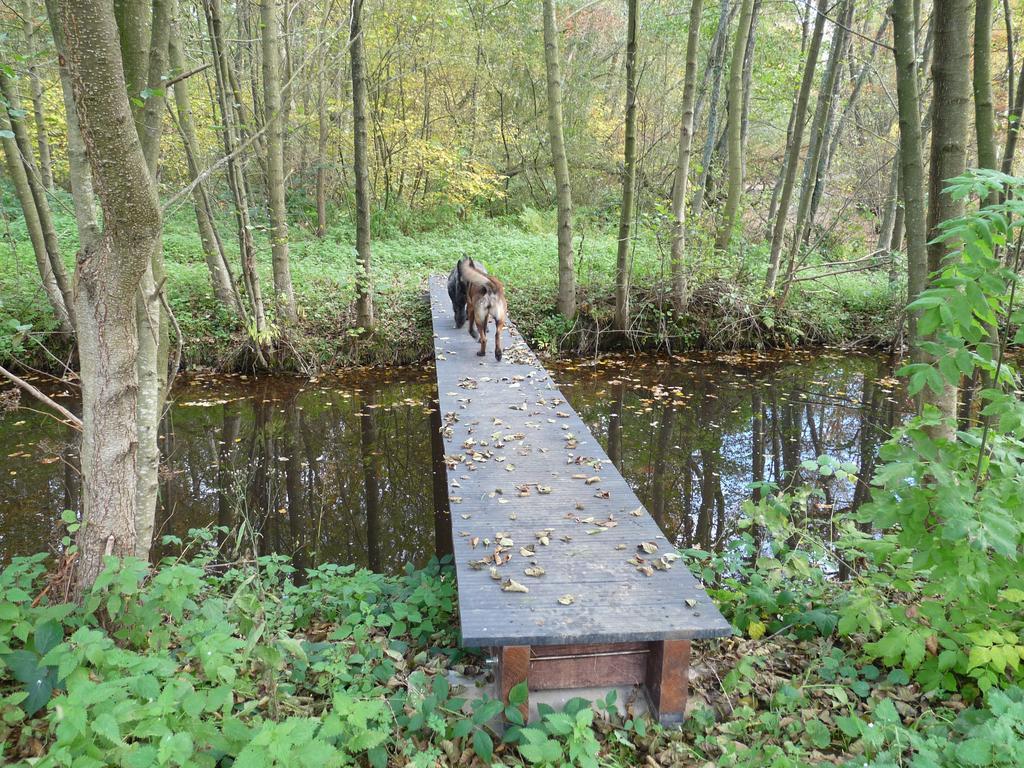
668 673
513 668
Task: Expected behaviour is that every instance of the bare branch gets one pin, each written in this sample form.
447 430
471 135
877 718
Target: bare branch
71 419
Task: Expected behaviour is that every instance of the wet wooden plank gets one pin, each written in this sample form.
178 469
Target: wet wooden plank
521 464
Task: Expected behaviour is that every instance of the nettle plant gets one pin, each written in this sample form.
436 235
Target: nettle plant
954 508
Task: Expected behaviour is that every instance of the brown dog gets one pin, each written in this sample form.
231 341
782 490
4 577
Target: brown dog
485 298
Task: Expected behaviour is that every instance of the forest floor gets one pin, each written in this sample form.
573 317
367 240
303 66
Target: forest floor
727 309
199 661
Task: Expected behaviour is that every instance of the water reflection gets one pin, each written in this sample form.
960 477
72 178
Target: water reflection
692 435
343 469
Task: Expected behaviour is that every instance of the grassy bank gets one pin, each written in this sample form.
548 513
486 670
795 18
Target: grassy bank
724 312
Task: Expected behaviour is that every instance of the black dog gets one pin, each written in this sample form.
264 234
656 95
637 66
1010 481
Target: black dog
457 288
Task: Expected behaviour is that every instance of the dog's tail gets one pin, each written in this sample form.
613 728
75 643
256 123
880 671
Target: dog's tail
472 275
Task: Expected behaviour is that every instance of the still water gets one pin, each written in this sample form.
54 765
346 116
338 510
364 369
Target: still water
340 468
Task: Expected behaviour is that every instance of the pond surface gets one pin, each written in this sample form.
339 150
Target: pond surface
340 468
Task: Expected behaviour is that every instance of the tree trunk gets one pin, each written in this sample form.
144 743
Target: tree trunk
108 276
134 35
622 257
892 198
321 159
735 169
748 73
984 116
151 317
1013 119
817 142
20 182
274 121
911 157
52 272
566 276
80 176
236 181
682 177
364 282
216 263
834 127
950 105
793 148
36 86
716 58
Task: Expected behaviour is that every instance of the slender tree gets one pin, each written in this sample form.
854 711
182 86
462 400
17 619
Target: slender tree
682 176
984 115
36 87
622 257
216 263
948 157
35 206
716 61
236 180
108 277
563 191
80 176
911 171
794 146
816 145
274 122
734 130
364 282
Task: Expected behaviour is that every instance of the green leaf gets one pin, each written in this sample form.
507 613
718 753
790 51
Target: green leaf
48 635
483 745
518 695
974 751
106 726
818 733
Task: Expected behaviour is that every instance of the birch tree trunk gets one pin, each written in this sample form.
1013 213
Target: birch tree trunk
734 130
793 148
108 276
563 191
622 257
274 121
682 177
364 282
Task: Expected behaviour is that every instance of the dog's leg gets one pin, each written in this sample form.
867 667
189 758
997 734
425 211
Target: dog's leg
471 312
482 326
499 326
460 314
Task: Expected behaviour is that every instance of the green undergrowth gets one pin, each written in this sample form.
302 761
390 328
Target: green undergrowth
726 310
200 663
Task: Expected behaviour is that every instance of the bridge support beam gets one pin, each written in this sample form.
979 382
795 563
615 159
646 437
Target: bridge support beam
661 667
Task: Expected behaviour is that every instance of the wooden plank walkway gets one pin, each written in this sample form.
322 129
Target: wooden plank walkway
529 486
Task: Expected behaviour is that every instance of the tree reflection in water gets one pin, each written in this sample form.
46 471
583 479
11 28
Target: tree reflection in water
343 470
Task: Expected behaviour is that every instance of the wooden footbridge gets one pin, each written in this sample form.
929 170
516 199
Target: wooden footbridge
561 571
